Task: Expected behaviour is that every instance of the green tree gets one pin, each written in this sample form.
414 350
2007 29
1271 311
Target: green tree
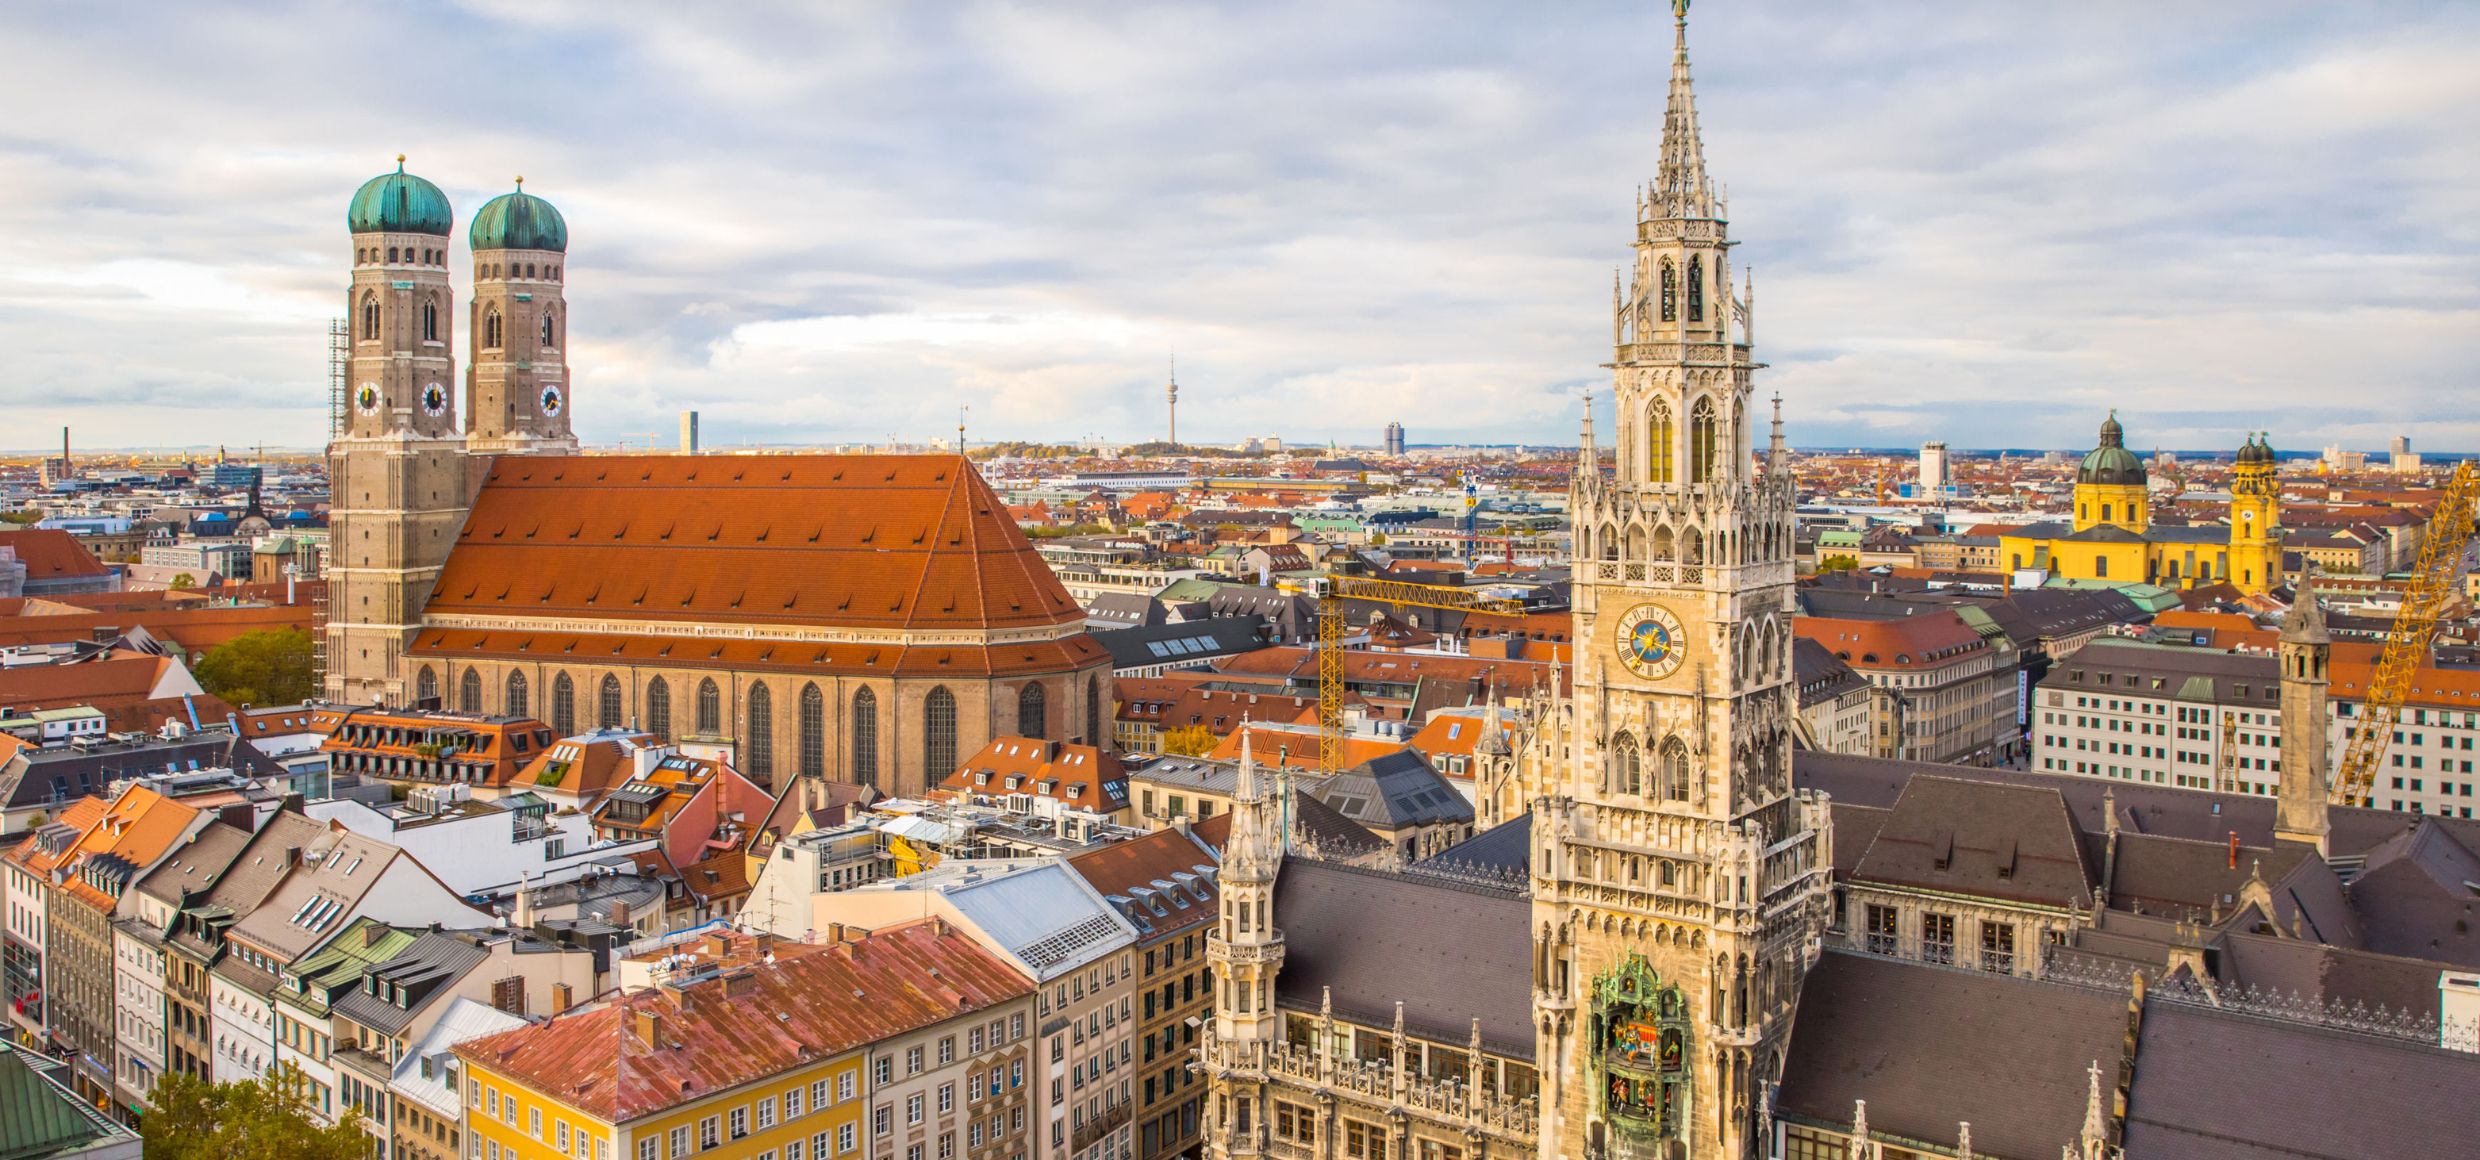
254 1120
1189 741
1838 564
184 582
28 516
270 667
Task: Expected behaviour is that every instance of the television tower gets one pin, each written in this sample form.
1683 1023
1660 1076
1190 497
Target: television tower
1171 399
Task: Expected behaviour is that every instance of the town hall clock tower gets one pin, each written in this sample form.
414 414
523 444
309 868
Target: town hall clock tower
1679 882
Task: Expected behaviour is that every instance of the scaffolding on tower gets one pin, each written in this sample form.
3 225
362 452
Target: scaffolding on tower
339 354
2433 581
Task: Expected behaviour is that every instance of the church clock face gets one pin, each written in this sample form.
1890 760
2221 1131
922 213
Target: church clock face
550 402
435 400
1651 642
367 398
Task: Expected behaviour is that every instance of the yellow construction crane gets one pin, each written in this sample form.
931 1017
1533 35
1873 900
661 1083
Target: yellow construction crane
1332 591
2431 588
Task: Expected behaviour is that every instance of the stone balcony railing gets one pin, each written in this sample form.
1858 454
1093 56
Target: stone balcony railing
1448 1103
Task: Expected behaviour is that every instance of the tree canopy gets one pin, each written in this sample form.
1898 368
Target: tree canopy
268 667
1189 741
252 1120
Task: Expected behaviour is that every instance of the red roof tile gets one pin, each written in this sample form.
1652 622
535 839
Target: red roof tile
52 554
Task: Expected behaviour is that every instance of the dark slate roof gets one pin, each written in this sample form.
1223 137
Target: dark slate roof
1819 674
1334 835
2215 1086
1450 953
426 970
1980 838
2188 813
2166 671
2104 534
1506 848
1930 1046
63 774
2214 534
2415 898
1187 641
1394 791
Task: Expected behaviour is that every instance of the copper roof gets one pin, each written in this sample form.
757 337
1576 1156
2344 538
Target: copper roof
848 541
719 1034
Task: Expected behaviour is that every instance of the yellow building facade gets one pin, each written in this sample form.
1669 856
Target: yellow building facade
2111 535
808 1113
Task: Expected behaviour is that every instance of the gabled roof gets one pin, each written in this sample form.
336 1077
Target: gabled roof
1449 953
1979 838
1395 791
52 554
849 541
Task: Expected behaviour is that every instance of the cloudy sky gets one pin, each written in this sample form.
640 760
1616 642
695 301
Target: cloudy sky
1985 223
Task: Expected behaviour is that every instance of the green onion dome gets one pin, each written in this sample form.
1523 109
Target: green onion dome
518 221
2111 462
400 203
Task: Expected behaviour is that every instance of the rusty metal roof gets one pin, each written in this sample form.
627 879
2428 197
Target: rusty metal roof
658 1048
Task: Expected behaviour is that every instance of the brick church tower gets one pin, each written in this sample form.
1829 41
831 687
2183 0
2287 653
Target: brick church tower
517 375
397 471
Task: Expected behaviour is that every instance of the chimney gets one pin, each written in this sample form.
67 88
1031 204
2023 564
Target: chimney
764 943
649 1027
620 913
521 915
2234 849
835 933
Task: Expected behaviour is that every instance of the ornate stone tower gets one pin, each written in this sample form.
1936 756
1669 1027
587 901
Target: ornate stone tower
516 383
2110 486
1246 952
397 473
2255 519
1679 883
2307 761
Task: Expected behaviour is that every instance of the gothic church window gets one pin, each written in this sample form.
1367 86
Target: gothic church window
1626 775
515 705
1030 712
490 329
426 685
1701 442
430 320
370 318
659 708
1093 710
563 705
1670 291
865 738
1674 770
469 692
1661 442
1696 289
549 335
813 731
607 703
938 735
761 740
709 708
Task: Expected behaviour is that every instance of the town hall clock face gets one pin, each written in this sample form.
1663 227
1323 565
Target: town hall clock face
1651 643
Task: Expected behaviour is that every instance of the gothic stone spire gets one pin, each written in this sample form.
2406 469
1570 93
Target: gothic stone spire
1681 189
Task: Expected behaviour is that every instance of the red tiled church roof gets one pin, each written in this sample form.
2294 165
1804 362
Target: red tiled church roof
848 541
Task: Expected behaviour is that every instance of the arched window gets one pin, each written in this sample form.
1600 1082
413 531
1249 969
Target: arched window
563 705
813 731
938 735
370 318
1093 710
430 320
1670 291
1031 704
659 708
515 705
1626 776
490 329
425 685
1674 770
710 708
1662 445
865 738
550 336
469 692
1701 442
1696 289
391 254
607 711
759 746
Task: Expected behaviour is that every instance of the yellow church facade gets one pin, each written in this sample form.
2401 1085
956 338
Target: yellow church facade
2111 535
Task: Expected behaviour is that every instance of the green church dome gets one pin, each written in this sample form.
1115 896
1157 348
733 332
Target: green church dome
400 203
2255 451
2111 462
518 221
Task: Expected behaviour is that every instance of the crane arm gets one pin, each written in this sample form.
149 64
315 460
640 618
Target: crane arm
2406 644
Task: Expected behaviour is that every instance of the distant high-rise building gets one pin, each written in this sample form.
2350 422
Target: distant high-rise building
2404 460
688 433
1935 473
1395 439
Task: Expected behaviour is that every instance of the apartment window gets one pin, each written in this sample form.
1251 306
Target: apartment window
912 1061
1881 930
1998 947
947 1146
792 1102
973 1042
843 1087
913 1108
533 1122
844 1138
1361 1141
1937 938
1016 1026
710 1133
559 1136
649 1148
1295 1123
680 1143
883 1120
883 1070
947 1098
947 1050
793 1150
766 1113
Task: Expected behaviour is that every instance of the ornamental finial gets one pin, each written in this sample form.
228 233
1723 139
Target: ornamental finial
400 163
1679 8
520 183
